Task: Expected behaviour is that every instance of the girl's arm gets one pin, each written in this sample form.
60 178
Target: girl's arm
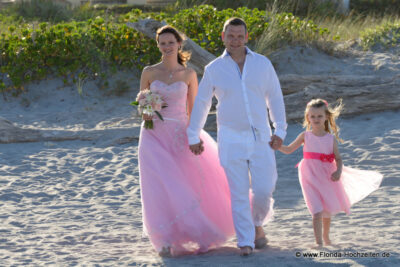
339 164
192 91
294 145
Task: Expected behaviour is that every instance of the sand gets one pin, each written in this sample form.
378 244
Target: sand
77 202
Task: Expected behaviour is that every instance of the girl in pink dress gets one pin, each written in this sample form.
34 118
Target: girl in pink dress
186 205
328 187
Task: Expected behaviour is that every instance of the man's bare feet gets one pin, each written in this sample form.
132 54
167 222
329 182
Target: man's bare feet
259 232
260 240
246 251
165 252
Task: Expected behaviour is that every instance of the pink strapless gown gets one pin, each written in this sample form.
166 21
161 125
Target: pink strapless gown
185 198
323 194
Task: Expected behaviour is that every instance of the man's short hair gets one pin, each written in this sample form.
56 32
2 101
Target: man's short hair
235 22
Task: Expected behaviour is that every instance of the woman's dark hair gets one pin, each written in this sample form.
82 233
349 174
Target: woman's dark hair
183 56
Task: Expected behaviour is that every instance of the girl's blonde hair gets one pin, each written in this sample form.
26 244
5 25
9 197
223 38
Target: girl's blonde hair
183 56
331 114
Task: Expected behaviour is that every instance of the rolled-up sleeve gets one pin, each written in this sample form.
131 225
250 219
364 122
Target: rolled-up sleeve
276 106
202 105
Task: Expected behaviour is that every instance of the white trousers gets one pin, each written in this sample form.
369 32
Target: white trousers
248 163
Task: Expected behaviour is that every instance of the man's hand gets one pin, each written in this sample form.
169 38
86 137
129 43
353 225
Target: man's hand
276 142
197 149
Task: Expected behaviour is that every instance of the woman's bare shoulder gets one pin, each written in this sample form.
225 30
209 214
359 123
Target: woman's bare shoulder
190 73
152 68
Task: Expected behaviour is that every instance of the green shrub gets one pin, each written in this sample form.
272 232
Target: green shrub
66 49
93 47
381 37
296 7
203 24
223 4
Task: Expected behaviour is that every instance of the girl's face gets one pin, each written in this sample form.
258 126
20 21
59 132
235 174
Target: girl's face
168 44
316 117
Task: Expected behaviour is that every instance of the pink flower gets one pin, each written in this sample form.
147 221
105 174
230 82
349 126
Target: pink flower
142 102
149 103
156 106
327 158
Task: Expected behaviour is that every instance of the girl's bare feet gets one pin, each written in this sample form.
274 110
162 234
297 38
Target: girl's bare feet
317 225
326 222
327 241
317 246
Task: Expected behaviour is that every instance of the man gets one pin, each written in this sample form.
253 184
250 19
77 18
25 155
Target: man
245 85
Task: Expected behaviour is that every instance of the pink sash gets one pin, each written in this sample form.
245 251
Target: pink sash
320 156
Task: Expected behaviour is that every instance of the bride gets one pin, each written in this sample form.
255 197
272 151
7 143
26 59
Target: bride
185 198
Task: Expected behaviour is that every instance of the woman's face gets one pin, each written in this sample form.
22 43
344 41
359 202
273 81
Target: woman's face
168 44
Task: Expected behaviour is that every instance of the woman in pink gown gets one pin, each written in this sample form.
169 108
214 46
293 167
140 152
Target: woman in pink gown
328 186
185 198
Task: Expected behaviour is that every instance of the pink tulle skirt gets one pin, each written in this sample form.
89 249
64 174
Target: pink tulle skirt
185 198
321 194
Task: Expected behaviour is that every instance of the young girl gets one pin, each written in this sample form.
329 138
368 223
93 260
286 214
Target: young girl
328 187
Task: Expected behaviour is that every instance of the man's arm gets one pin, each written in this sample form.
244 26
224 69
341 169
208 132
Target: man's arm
202 105
275 102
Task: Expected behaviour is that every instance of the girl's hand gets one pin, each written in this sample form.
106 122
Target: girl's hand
276 142
146 117
336 176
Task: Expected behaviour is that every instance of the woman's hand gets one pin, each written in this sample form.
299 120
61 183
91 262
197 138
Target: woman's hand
146 117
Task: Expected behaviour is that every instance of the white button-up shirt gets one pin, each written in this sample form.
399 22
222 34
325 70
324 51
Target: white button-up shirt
243 98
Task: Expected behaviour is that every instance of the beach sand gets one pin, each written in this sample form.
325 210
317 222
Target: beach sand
77 202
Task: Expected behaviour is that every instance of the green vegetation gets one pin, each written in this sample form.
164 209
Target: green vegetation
381 37
43 39
91 48
74 50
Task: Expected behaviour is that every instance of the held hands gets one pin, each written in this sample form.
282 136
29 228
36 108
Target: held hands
276 142
336 175
197 149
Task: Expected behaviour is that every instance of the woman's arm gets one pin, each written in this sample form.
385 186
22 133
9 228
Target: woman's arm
294 145
145 78
145 84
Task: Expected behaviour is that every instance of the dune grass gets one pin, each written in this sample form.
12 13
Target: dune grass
365 29
101 32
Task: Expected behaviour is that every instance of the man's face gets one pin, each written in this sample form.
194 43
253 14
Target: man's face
235 37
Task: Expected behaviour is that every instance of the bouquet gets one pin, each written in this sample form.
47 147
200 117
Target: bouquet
149 103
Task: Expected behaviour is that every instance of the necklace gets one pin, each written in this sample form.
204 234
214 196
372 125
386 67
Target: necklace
172 73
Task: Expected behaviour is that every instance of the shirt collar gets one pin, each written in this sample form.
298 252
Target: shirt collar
248 52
